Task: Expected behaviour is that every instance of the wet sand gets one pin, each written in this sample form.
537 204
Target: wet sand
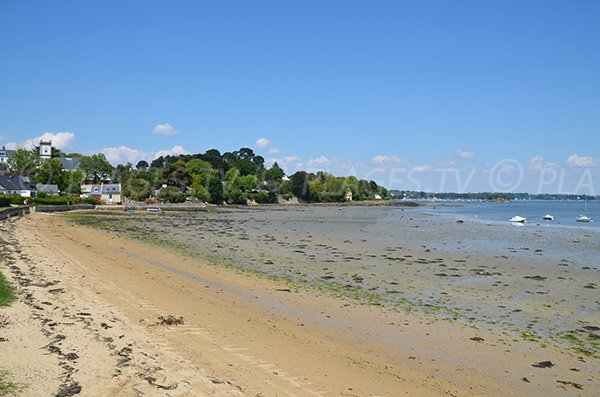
348 309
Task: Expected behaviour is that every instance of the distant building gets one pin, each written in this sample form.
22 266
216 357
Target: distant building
348 196
105 193
68 163
5 155
49 189
18 185
45 149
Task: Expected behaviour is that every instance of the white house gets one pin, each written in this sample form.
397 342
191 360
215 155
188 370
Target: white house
105 193
5 155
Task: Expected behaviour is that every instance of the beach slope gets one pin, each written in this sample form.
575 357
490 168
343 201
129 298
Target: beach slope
93 318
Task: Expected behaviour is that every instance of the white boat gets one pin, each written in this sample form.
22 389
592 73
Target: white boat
548 217
583 218
518 219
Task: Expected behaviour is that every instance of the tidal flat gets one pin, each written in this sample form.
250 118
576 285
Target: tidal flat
534 283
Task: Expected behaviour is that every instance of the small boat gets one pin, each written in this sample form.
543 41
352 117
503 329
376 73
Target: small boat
583 218
155 209
548 217
518 219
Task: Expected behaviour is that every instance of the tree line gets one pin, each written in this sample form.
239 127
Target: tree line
235 177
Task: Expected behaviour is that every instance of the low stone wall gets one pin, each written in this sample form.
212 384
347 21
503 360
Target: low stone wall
62 208
15 211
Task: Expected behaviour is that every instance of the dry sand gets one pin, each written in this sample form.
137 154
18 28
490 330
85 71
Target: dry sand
87 321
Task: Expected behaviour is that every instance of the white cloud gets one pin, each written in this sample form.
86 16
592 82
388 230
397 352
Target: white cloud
61 140
174 151
2 139
383 160
421 168
164 129
262 143
463 154
289 164
537 163
319 161
273 151
123 154
289 159
581 161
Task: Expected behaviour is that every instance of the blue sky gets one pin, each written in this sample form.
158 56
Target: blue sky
393 90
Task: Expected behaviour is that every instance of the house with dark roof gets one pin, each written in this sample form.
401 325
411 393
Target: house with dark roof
68 163
19 185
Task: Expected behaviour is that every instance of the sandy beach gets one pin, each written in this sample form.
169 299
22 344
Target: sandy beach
89 317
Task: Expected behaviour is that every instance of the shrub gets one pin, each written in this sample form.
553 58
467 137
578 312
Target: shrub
5 201
138 189
265 198
171 194
236 196
18 200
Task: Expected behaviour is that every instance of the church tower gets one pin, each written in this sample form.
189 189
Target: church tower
45 149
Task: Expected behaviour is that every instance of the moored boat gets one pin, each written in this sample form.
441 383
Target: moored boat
548 217
583 218
518 219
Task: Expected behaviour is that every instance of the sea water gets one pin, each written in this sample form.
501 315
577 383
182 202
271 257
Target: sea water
564 212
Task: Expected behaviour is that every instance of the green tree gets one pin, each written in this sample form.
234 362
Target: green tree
213 157
299 184
142 165
23 162
96 168
215 189
158 162
177 174
72 181
236 196
274 174
245 153
122 173
246 167
171 194
247 183
199 167
200 186
50 172
138 189
151 175
259 161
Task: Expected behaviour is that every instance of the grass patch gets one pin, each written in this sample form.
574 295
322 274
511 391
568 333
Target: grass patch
8 388
7 294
